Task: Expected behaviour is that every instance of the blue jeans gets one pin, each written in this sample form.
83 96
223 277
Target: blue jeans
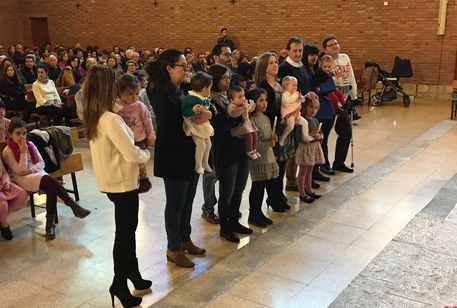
178 210
232 181
209 194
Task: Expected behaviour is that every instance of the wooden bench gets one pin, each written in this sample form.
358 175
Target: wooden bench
71 165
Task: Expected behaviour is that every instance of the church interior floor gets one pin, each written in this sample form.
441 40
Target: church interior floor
402 157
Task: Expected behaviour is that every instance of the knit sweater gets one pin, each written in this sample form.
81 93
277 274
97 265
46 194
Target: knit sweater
115 158
45 93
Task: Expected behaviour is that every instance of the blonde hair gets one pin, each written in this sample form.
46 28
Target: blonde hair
327 58
99 91
287 80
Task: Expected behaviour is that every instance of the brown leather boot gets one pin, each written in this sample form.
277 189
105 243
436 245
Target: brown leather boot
191 248
179 258
78 211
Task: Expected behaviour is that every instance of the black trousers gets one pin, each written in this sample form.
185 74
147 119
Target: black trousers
57 114
126 219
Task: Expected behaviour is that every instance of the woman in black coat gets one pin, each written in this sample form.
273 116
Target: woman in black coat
174 153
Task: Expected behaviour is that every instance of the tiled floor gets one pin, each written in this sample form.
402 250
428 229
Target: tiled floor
305 259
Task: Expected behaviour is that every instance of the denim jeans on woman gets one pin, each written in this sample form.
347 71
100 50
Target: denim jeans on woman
232 182
180 196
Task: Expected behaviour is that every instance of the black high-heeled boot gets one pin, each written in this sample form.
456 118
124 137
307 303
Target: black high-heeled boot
133 274
138 282
276 207
122 292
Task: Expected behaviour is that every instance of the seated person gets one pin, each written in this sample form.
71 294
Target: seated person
48 101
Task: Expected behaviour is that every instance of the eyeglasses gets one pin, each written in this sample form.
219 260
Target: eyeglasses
227 54
334 44
226 78
183 66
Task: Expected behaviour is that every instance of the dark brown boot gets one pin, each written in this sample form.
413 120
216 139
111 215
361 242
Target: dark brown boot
78 211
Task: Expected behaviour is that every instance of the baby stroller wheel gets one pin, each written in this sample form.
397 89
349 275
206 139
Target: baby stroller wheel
406 100
376 100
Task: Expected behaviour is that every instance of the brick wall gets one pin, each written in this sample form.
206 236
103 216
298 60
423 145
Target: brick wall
366 29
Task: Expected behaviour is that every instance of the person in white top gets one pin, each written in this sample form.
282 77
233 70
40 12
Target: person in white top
115 159
48 101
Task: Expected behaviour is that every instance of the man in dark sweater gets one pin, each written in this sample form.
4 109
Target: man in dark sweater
53 68
224 39
293 66
29 69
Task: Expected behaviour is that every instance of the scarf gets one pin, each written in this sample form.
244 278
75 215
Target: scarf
44 80
17 152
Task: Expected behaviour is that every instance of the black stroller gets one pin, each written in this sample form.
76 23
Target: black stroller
402 68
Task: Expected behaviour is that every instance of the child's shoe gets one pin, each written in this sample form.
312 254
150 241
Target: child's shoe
257 154
281 141
207 168
251 155
145 185
199 169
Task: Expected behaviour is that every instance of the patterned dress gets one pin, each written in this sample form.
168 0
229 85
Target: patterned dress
310 153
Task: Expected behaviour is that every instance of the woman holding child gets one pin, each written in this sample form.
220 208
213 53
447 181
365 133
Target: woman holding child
174 153
230 160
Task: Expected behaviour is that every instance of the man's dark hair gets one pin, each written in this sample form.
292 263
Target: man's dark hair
293 39
326 39
217 50
222 30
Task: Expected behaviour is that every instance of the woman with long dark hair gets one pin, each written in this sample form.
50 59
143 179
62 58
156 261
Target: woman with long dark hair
230 159
174 153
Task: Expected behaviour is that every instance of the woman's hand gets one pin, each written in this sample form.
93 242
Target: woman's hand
151 143
202 117
23 146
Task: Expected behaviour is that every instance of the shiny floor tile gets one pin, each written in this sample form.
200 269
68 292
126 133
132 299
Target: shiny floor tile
308 270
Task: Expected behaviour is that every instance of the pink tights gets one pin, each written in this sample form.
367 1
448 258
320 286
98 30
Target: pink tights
304 179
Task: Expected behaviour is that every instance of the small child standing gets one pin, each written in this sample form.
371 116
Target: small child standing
309 152
290 107
238 106
4 122
137 118
323 82
265 169
197 100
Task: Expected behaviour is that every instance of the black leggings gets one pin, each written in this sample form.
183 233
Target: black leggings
52 189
